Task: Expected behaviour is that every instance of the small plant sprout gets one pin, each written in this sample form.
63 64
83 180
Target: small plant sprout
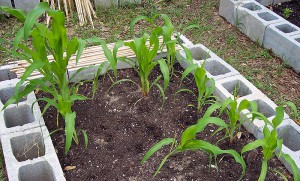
205 85
233 109
190 142
271 143
287 12
167 32
54 79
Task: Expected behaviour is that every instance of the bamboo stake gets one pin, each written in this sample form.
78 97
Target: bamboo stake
87 7
66 9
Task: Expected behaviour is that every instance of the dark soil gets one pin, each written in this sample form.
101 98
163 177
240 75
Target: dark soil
122 126
293 5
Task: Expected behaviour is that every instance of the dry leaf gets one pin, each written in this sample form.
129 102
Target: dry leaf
69 168
239 134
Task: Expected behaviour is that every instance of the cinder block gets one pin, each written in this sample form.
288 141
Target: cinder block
225 88
265 2
5 3
7 90
217 69
288 49
294 58
185 41
128 2
90 72
26 5
265 106
105 3
16 118
227 9
6 74
289 131
254 18
28 152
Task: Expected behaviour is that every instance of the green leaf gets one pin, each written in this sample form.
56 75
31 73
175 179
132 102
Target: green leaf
18 13
86 140
165 71
33 16
69 129
293 165
253 145
157 147
81 46
188 70
211 109
264 170
279 116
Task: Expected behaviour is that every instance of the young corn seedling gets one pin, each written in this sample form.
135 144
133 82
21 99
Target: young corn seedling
205 85
233 109
54 72
270 143
167 31
190 142
146 49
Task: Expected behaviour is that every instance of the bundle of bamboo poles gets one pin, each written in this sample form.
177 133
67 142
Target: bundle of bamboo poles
84 9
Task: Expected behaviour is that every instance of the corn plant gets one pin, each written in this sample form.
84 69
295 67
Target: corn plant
270 143
205 85
145 61
190 142
54 72
167 32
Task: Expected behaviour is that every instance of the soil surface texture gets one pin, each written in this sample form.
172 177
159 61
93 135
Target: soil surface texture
294 5
122 126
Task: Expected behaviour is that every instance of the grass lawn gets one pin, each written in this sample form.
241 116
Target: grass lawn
258 65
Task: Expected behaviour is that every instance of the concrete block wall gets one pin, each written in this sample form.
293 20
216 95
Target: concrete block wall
27 147
271 2
25 5
225 85
265 27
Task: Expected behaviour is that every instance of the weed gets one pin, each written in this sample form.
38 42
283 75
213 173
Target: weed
287 12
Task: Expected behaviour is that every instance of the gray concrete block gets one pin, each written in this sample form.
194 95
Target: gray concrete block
6 74
288 49
294 55
289 131
16 118
128 2
31 151
5 3
105 3
265 2
227 9
217 69
26 5
226 86
254 18
265 106
185 41
7 90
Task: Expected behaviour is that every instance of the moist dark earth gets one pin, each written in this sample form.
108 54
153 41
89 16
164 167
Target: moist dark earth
122 126
293 5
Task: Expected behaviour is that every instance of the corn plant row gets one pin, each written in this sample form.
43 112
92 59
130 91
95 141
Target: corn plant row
55 81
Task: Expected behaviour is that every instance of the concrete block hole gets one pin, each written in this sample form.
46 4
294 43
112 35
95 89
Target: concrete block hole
199 54
238 86
252 6
6 74
7 93
264 108
36 172
267 16
28 147
215 68
286 28
18 116
290 137
298 40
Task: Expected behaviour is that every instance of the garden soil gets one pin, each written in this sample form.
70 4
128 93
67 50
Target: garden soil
293 5
122 125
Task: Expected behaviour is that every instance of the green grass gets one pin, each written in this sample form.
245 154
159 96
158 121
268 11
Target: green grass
260 66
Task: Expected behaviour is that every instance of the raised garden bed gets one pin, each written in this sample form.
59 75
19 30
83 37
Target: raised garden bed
122 126
293 16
